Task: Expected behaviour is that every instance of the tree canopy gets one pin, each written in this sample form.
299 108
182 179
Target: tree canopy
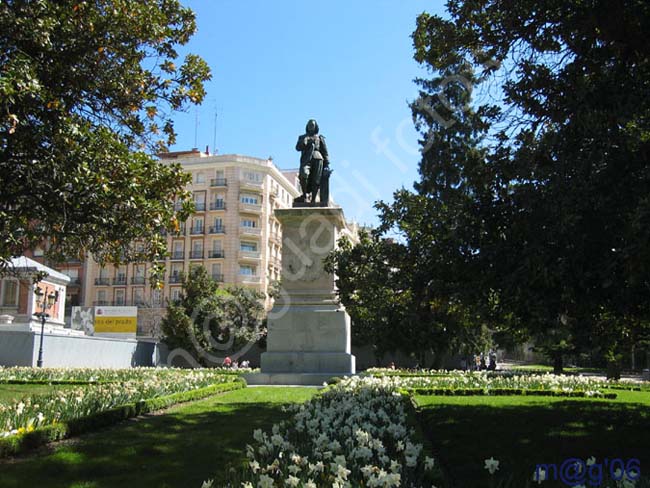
87 90
532 206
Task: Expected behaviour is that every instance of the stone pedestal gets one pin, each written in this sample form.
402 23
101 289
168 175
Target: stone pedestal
308 331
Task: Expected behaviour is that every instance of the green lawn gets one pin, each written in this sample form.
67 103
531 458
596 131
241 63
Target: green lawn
523 431
183 447
9 392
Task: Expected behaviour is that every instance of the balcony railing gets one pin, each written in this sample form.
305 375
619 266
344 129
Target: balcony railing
249 254
244 278
216 254
218 205
197 230
138 280
217 229
175 278
275 237
74 282
102 303
177 255
217 277
218 182
250 207
199 206
102 281
196 254
120 280
250 230
251 185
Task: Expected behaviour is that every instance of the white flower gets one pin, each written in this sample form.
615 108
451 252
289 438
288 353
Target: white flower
310 484
265 482
207 484
255 466
292 481
591 461
428 463
247 484
492 465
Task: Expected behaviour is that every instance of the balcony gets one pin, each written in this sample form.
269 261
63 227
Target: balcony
217 229
102 281
275 237
218 182
216 254
177 255
251 231
138 280
250 207
249 279
74 281
197 230
196 254
199 206
251 185
119 281
218 277
175 278
255 255
219 205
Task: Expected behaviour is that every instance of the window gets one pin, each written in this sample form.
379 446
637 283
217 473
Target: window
101 297
72 273
197 246
217 245
198 224
216 269
247 270
249 199
138 296
10 293
175 293
156 297
253 176
248 223
248 246
199 178
119 297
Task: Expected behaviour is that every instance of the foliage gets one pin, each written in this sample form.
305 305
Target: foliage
531 209
209 323
85 89
33 437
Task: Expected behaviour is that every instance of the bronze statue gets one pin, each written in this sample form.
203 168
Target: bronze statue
314 166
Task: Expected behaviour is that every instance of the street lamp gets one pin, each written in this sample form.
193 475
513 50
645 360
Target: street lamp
46 301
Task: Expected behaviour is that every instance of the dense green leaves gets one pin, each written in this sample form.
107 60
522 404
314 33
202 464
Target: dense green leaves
85 89
209 323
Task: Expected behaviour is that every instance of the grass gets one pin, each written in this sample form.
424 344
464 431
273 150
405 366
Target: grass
522 432
10 393
186 445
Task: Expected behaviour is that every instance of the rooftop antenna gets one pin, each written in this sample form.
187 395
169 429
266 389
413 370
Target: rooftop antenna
214 137
196 127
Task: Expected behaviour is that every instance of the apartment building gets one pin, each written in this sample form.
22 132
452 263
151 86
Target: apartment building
233 232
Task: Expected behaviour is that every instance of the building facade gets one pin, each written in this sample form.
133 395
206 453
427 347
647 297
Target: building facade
233 232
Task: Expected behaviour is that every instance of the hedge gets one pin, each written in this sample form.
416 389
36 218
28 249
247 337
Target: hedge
21 443
503 392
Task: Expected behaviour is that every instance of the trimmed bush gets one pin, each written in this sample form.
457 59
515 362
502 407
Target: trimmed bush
20 443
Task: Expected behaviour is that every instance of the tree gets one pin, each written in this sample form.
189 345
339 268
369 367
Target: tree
85 89
563 205
208 323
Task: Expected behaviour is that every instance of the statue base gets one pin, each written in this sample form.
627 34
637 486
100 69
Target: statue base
308 330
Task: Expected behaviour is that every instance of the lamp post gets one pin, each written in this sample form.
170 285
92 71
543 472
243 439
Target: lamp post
46 301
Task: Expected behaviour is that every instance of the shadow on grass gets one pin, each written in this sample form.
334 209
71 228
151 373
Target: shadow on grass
178 449
522 436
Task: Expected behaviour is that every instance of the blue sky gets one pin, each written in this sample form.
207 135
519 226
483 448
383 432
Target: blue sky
348 64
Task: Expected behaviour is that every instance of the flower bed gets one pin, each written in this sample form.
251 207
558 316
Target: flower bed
356 433
127 386
96 375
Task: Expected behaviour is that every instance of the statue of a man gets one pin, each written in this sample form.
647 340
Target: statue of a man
314 163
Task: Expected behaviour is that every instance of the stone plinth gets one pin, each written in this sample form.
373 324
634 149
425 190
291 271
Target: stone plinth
308 331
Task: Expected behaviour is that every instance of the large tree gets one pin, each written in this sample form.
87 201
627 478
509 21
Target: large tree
566 240
87 89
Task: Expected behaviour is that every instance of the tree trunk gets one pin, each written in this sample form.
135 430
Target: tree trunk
633 358
558 364
613 370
